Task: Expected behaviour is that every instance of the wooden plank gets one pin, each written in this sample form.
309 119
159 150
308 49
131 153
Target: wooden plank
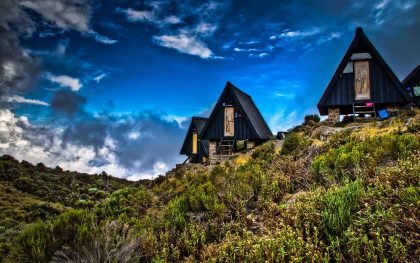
229 122
362 80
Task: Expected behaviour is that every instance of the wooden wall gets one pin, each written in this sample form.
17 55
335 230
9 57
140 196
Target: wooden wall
215 130
383 90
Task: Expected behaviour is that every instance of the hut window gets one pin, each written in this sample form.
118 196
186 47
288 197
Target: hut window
194 143
360 56
361 80
348 68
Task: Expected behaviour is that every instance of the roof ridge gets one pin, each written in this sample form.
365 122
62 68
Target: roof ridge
411 74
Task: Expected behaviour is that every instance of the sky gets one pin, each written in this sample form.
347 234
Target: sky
111 86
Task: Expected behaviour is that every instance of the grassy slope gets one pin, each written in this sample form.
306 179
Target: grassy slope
17 206
330 194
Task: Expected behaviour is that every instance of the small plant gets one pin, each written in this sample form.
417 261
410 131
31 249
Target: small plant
338 205
293 143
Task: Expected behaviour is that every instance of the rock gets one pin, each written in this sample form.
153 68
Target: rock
323 132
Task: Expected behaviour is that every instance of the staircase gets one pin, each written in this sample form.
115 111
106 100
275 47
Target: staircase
364 108
225 147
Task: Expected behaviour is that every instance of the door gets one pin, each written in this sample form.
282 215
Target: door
361 80
229 122
194 143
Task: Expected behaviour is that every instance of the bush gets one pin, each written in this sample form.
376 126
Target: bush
176 212
39 242
339 204
34 244
293 143
311 118
114 243
355 156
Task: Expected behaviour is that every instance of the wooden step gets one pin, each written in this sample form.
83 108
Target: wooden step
364 112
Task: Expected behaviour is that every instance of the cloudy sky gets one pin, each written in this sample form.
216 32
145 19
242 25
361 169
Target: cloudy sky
110 85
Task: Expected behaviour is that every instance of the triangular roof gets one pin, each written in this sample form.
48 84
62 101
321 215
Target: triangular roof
247 105
196 123
361 39
412 76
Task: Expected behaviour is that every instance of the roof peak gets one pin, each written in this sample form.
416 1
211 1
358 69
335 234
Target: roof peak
359 30
234 88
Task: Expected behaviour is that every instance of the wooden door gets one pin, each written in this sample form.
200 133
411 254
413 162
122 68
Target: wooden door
194 143
229 127
361 80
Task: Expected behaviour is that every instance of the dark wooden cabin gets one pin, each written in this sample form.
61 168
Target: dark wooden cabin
412 84
362 84
235 123
194 147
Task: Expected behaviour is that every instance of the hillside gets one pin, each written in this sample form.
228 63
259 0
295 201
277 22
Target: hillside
347 193
35 192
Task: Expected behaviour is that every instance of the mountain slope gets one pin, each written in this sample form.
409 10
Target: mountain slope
348 193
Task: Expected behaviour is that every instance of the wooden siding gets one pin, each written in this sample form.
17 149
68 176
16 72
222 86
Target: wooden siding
202 145
383 89
386 89
215 129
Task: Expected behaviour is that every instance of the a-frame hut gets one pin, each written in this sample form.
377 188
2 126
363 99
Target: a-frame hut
362 84
412 84
194 147
234 123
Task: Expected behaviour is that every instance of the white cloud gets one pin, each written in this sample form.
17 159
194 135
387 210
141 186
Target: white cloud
135 15
297 34
172 19
204 28
188 38
134 135
260 55
100 77
20 99
180 120
328 38
236 49
65 81
282 121
70 14
132 156
184 44
9 70
46 146
103 39
159 168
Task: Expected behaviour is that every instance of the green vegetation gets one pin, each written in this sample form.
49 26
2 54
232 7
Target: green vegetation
351 197
311 118
293 143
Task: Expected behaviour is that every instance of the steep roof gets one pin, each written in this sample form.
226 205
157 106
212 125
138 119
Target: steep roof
361 39
412 76
197 123
247 105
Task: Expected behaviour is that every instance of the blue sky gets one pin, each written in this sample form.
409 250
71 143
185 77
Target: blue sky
111 85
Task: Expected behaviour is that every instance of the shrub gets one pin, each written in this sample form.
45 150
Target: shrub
26 184
127 201
293 143
176 211
356 155
114 243
338 205
34 244
311 118
38 242
204 198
